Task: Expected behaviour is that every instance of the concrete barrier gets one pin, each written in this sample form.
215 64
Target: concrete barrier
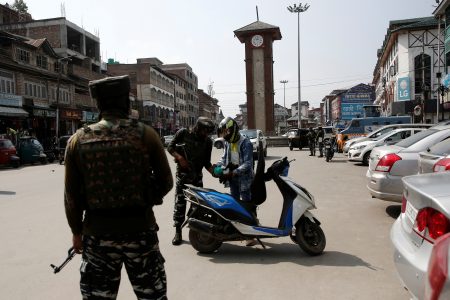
277 141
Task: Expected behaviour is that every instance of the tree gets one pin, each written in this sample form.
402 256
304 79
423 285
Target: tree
20 6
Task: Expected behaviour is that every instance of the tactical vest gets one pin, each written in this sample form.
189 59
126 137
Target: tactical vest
195 150
115 164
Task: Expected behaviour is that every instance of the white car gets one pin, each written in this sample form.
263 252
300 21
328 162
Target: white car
380 132
361 151
256 135
425 216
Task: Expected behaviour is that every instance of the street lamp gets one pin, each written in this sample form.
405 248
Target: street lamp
284 101
298 9
60 67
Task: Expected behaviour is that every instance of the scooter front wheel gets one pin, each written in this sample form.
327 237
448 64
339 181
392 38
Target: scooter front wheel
203 243
310 237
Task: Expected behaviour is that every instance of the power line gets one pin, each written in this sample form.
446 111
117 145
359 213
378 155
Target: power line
306 86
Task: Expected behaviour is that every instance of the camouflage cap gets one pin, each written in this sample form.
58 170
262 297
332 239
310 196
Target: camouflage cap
111 92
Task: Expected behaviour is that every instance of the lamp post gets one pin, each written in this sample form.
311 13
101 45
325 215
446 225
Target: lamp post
60 67
298 9
284 101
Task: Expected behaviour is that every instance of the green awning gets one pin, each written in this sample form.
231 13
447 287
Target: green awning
6 111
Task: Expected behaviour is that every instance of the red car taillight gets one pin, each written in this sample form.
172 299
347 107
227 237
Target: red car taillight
437 268
386 162
442 165
436 222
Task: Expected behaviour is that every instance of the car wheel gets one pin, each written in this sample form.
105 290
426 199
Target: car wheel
366 157
290 146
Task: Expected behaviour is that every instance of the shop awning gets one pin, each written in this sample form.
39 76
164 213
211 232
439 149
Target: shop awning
6 111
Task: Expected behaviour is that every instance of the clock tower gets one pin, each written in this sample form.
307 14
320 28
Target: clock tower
258 38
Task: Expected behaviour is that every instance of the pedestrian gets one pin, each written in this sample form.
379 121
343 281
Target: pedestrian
319 139
116 170
311 136
238 158
192 152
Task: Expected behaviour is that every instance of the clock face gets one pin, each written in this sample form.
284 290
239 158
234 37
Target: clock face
257 40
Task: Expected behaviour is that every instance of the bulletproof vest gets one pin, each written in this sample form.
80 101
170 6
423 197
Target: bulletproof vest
115 165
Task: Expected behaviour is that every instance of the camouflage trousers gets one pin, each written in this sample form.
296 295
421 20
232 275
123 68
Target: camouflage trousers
179 210
102 263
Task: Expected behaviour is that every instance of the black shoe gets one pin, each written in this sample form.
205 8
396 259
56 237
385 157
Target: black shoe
320 156
177 239
311 155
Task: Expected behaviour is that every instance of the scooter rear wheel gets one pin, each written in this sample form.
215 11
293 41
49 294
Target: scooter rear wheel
203 243
310 237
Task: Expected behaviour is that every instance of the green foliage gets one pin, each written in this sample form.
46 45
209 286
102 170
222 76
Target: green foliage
20 6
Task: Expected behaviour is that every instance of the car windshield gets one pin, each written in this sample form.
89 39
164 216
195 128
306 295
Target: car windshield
442 148
251 134
5 144
380 132
415 138
382 136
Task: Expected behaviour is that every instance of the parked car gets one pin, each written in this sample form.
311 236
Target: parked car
167 139
361 151
388 164
256 136
380 132
437 283
429 157
297 138
30 150
8 154
424 217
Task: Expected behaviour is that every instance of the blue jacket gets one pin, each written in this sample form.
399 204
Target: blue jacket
245 169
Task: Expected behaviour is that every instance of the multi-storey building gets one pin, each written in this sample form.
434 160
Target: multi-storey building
81 50
442 12
405 75
154 91
31 75
208 106
185 72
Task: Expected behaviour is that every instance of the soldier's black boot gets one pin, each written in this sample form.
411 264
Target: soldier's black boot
177 239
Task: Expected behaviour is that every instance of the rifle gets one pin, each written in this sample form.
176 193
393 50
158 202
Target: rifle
70 254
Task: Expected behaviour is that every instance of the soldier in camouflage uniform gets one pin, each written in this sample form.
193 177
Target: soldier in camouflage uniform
311 136
115 172
319 139
192 152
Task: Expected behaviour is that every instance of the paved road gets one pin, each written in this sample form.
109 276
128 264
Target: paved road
357 263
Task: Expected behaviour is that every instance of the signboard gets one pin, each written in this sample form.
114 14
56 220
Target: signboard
10 100
70 114
446 80
90 117
403 89
361 93
352 110
44 113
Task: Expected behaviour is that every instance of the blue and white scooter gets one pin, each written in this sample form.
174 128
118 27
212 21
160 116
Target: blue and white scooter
215 217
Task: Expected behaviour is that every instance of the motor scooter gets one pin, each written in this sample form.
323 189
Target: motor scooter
215 217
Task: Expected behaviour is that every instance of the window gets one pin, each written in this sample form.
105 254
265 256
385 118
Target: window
35 90
7 84
422 73
23 55
41 61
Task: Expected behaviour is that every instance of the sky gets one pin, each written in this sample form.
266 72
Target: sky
338 39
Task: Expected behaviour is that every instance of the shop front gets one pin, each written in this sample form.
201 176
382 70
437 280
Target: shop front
12 115
70 121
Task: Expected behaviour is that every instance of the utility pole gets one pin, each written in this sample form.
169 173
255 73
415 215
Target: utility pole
284 101
298 9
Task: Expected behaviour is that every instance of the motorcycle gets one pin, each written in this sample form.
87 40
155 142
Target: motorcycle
215 217
330 145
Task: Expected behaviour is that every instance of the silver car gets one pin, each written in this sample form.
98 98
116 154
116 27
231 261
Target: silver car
388 164
379 132
361 151
429 158
424 217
